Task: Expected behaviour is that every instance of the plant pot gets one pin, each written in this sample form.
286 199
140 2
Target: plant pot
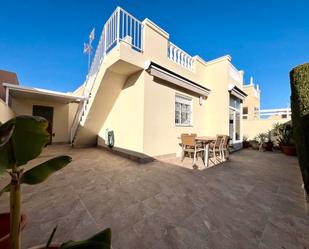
245 144
289 150
268 146
280 146
254 145
5 229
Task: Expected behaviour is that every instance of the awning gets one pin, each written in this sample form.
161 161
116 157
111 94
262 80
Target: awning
17 91
237 92
169 76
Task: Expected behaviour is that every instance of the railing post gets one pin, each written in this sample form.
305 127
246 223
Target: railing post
7 96
105 40
118 24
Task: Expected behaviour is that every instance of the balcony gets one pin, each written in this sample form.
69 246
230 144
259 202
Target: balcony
180 57
281 113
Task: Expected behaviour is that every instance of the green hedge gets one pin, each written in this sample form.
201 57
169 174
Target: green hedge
299 79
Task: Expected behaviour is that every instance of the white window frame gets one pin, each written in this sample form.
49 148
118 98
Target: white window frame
235 112
186 100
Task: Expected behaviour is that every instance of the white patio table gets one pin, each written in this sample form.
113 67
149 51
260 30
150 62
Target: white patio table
205 140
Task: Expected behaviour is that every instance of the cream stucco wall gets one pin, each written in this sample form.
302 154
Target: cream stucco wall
125 117
121 63
160 132
61 123
217 103
6 112
252 128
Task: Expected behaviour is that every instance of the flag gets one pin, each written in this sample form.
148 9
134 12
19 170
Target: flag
87 47
91 36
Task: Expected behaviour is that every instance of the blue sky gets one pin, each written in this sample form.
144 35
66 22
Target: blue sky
43 40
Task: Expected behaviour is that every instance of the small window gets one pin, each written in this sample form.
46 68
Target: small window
183 110
245 110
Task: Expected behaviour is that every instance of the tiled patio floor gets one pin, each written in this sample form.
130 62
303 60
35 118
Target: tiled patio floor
253 201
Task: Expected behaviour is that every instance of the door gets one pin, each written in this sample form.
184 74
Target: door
46 112
234 125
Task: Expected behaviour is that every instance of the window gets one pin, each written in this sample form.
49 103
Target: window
256 112
245 110
234 102
183 110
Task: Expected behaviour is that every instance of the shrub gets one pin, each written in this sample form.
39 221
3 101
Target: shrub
299 80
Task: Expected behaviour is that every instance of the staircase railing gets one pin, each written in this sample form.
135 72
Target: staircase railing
121 26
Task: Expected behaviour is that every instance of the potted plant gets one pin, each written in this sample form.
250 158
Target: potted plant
261 138
21 140
268 145
286 142
245 142
254 144
276 135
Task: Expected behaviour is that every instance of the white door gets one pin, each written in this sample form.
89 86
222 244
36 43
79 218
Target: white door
234 125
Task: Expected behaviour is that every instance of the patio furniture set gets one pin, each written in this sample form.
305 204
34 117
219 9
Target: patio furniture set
211 149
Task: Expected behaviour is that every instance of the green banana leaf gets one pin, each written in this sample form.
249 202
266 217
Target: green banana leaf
5 189
101 240
6 131
29 137
42 171
6 158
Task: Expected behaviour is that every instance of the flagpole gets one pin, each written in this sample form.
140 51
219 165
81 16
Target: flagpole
89 56
88 48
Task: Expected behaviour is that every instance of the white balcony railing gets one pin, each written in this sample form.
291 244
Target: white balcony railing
180 57
121 26
282 112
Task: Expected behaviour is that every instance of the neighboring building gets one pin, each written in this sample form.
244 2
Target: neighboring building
251 105
7 77
255 120
58 108
146 90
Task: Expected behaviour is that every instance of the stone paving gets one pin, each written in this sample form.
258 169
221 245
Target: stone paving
253 201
